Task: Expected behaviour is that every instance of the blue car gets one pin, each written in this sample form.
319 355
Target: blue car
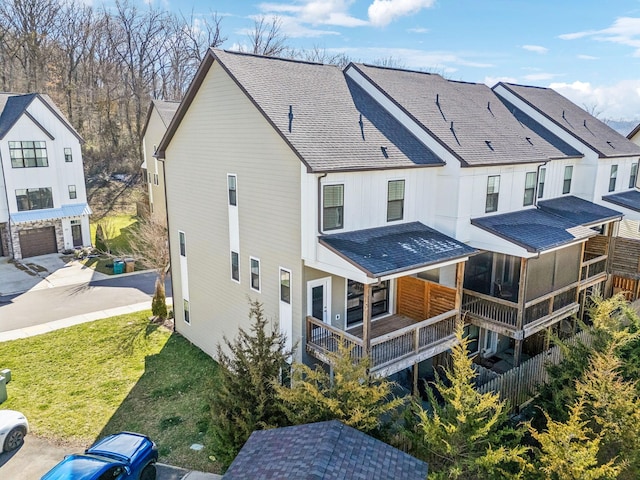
122 456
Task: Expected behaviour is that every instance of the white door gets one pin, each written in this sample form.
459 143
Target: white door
319 299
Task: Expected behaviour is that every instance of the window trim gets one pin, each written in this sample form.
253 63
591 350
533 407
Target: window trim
389 201
237 270
613 178
531 190
489 196
542 177
26 195
75 192
566 182
633 176
232 192
186 311
22 148
281 270
68 155
257 260
338 208
182 243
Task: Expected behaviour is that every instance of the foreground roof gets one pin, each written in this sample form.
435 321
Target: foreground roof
629 199
579 211
534 229
326 119
395 248
322 451
14 105
65 211
468 119
567 115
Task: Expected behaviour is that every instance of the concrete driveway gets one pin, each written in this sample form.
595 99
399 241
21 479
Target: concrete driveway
37 456
45 271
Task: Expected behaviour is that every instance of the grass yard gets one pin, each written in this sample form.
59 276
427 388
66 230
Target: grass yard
80 383
117 229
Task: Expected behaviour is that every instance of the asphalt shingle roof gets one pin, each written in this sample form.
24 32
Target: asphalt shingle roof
533 229
468 118
322 451
569 116
166 110
629 199
395 248
327 119
578 211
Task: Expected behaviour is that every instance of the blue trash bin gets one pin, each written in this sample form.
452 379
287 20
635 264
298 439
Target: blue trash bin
118 266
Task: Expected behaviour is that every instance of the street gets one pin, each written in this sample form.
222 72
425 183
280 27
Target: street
36 307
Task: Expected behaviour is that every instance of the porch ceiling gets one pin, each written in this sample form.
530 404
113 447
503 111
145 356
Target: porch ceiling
395 248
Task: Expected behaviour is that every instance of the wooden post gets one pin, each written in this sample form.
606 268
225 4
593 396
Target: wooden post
459 283
366 321
522 288
416 374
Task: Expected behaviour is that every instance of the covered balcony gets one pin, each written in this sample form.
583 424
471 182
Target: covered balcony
422 321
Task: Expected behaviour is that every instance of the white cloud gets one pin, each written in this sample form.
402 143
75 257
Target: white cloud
383 12
623 31
418 30
289 26
317 12
620 101
587 57
536 48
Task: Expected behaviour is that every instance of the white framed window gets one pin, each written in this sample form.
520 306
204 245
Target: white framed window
68 156
541 178
634 175
73 194
285 285
613 176
183 244
529 188
235 266
185 307
232 185
493 191
395 200
156 179
566 184
332 207
255 273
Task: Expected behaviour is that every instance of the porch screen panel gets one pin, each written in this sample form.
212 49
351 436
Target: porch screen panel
540 273
567 266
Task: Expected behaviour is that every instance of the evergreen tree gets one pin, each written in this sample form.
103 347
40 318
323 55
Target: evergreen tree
244 396
569 450
352 396
159 301
467 435
100 243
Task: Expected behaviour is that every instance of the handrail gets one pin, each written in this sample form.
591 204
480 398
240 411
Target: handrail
415 326
594 260
550 295
335 330
490 298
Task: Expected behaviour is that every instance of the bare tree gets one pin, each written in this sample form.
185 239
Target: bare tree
320 55
267 37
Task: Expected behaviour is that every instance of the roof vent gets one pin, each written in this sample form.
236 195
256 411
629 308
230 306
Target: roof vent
437 99
488 142
563 114
528 139
384 152
584 122
290 117
361 123
610 144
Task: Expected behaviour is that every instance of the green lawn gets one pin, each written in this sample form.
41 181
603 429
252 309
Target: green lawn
78 384
117 228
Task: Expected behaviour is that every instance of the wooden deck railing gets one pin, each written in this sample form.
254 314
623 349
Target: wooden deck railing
323 339
592 268
497 310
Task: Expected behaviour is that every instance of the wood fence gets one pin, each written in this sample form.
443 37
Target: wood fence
519 385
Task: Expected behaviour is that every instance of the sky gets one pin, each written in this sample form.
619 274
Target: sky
588 50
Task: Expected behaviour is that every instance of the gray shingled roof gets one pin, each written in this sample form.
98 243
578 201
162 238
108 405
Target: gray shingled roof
322 451
533 229
484 132
166 110
334 124
569 116
13 105
391 249
579 211
629 199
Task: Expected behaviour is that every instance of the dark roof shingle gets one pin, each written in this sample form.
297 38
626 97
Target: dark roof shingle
629 199
390 249
579 211
322 451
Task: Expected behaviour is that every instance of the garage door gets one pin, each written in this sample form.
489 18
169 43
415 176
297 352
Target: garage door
38 241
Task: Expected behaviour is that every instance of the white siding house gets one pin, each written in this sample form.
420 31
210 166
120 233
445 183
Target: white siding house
43 206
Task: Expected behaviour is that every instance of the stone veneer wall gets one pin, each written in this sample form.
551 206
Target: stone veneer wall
17 228
4 240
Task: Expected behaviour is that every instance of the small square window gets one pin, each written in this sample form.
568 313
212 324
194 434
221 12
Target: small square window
255 274
187 319
156 179
285 286
493 190
233 189
613 177
395 200
235 266
72 192
183 246
566 184
68 157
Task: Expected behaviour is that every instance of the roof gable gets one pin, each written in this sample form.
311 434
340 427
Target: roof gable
592 132
467 118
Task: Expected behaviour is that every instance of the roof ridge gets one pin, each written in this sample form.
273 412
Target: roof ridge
398 69
268 57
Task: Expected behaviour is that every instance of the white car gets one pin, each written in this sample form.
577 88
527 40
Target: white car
13 428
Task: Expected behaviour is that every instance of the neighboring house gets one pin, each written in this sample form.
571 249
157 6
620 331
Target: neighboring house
322 451
158 119
355 203
43 201
630 226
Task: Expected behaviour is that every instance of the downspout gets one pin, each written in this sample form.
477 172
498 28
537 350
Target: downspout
535 193
320 203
